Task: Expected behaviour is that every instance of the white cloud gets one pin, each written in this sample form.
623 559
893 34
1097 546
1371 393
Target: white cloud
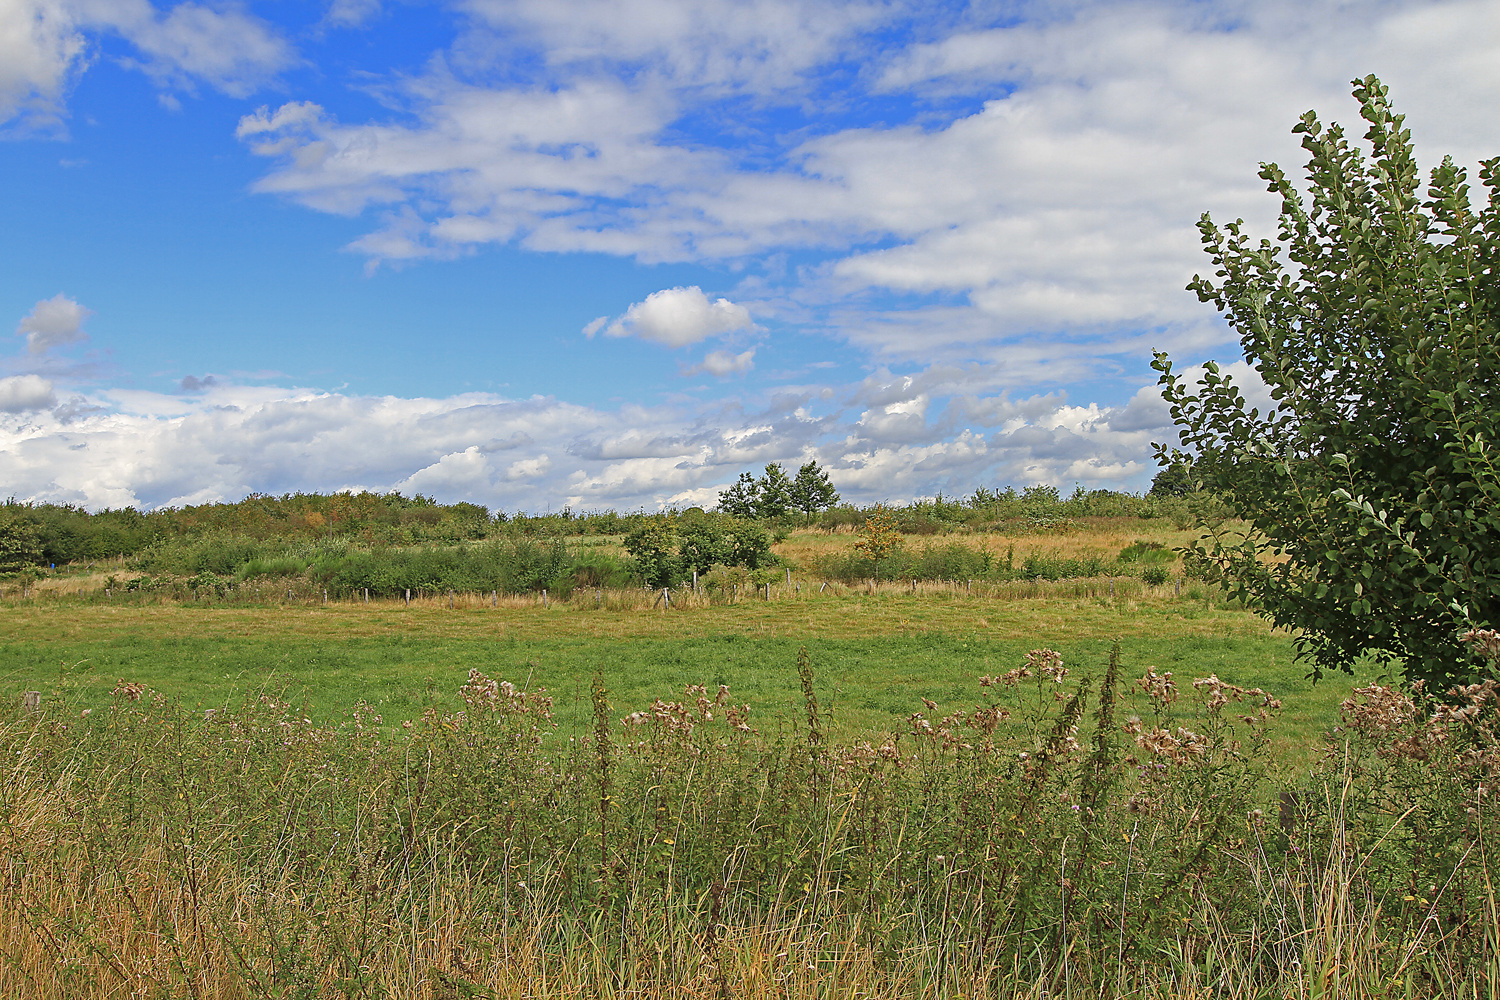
1145 411
53 322
678 317
20 393
39 51
1049 226
45 44
724 363
226 48
761 46
144 448
351 13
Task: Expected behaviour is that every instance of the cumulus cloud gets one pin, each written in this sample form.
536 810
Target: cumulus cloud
20 393
1145 411
115 447
678 317
724 363
53 322
40 50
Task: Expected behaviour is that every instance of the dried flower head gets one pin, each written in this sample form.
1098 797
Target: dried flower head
1046 663
129 690
1158 687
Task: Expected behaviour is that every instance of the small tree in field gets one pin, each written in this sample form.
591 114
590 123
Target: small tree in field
654 544
813 491
1371 485
773 495
739 500
879 537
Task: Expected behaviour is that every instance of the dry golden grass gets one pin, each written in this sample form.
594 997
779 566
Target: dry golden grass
1080 609
1096 536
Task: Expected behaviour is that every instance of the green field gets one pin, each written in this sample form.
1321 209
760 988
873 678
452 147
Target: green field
875 657
840 847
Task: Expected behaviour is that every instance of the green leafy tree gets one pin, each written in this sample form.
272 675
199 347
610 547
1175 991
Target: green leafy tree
773 493
702 541
813 491
653 544
748 545
739 500
1176 480
20 541
1370 487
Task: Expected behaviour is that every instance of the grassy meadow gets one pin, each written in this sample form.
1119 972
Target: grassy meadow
878 648
828 789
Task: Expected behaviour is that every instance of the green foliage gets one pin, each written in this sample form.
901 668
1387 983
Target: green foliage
653 545
703 542
879 537
739 500
669 547
813 491
20 541
747 544
1174 481
775 494
1372 318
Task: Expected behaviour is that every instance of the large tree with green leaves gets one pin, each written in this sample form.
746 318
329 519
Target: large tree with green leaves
812 490
1370 486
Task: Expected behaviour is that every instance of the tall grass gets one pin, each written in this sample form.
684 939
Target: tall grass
1032 844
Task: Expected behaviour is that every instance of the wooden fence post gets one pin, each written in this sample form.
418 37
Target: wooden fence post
408 597
544 597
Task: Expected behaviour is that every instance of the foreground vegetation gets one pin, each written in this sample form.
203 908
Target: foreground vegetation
1045 841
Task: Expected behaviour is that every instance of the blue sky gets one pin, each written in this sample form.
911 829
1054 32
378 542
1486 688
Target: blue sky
611 254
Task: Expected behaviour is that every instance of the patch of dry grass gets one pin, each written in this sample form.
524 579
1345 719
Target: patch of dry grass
1095 536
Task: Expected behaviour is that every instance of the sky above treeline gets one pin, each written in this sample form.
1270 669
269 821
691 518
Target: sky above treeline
612 253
